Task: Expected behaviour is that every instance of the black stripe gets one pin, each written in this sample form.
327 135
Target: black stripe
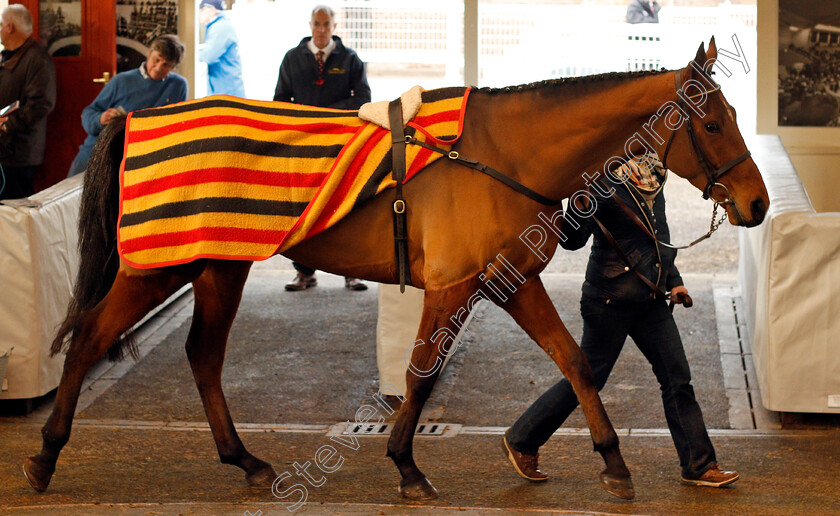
442 94
382 171
368 191
232 144
218 103
214 205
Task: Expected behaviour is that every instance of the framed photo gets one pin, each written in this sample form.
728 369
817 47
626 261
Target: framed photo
799 71
139 22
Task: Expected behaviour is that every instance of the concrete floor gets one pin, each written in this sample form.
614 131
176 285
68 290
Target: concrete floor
299 364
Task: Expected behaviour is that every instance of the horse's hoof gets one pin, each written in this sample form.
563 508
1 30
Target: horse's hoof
621 487
262 479
420 490
38 476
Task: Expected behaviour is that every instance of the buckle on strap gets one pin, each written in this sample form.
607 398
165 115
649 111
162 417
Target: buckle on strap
399 206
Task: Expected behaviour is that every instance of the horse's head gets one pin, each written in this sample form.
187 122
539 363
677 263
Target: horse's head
705 146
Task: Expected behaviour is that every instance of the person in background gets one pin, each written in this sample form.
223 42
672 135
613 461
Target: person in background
643 11
616 302
153 84
322 72
27 76
220 51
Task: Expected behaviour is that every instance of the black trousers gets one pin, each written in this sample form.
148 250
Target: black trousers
16 182
303 269
605 328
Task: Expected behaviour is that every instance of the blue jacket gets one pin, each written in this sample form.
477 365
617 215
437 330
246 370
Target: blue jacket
221 53
606 277
345 83
132 90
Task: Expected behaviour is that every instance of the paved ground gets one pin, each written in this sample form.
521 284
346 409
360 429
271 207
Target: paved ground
140 444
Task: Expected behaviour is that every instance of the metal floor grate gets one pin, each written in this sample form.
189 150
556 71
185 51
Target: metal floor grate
373 429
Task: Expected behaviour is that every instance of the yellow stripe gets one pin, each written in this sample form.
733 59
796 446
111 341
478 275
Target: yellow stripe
200 111
228 159
318 205
219 189
189 223
367 169
284 137
169 254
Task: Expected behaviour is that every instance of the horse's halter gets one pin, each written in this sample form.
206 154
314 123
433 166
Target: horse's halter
712 174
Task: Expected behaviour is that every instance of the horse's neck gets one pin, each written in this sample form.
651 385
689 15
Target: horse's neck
550 137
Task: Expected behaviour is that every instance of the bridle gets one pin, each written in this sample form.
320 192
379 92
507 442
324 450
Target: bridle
712 174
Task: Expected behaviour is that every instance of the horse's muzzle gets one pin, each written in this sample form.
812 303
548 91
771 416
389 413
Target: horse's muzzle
758 210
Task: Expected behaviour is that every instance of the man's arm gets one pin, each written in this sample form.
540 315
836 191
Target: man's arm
359 86
216 45
92 114
576 227
38 97
182 92
283 90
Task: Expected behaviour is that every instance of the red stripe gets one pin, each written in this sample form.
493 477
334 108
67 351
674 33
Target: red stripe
218 234
224 175
166 130
437 118
420 161
339 196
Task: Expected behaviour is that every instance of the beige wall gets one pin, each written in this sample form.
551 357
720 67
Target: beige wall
187 21
819 169
814 151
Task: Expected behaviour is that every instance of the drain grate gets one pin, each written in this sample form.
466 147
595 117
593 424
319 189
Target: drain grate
427 429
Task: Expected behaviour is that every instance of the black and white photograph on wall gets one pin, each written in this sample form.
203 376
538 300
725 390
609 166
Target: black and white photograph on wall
138 23
809 63
60 27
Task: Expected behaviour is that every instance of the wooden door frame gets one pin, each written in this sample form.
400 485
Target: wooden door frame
98 55
103 50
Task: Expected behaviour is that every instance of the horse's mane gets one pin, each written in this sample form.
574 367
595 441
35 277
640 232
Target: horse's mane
568 81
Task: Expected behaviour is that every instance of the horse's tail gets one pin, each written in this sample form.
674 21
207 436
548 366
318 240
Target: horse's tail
97 238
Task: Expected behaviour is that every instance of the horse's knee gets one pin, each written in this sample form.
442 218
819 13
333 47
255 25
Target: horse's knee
419 388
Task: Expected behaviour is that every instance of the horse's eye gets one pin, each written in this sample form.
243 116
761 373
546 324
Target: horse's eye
713 127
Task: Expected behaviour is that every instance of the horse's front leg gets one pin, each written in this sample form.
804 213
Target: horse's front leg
533 310
218 292
129 299
436 336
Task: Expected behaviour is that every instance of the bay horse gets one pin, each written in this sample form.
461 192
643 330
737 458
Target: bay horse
545 136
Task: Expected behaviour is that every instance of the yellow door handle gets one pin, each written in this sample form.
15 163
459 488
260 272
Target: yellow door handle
106 76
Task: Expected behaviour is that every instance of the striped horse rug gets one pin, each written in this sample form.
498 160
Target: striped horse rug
223 177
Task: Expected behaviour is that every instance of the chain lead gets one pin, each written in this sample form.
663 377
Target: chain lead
713 226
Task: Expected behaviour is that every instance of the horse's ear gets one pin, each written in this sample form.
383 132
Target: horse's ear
700 58
712 53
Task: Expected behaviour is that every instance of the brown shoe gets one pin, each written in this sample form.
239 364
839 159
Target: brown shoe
715 477
526 465
354 284
302 282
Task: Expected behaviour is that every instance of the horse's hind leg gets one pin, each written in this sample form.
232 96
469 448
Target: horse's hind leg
532 309
217 295
437 332
129 299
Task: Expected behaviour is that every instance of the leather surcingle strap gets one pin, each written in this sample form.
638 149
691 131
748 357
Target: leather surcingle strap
398 173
